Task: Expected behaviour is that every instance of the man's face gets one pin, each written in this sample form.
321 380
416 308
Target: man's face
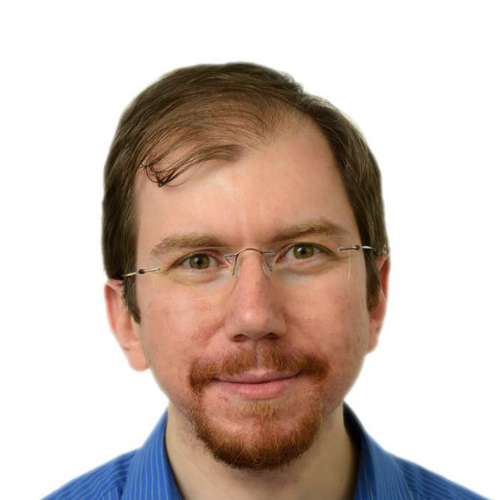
258 373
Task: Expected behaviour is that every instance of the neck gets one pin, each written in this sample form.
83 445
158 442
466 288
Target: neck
327 471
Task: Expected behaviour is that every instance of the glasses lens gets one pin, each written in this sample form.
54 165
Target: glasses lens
209 277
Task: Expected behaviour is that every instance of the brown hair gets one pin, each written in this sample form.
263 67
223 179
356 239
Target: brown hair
217 112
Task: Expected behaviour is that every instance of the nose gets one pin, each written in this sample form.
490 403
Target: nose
255 308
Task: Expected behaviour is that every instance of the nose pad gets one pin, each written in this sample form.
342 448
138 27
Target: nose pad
267 265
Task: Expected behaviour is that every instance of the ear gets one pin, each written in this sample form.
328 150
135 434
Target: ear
124 328
377 314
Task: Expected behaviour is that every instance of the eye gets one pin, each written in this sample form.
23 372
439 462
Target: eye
197 268
304 251
301 252
199 262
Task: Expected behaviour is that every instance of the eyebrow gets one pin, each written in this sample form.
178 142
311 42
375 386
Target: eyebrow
315 227
191 240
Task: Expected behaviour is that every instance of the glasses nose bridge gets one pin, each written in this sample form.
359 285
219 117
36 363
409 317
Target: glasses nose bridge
267 266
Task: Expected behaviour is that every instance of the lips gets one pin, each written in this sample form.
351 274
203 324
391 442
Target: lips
257 385
257 377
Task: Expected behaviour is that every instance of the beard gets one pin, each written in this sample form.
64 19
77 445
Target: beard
279 432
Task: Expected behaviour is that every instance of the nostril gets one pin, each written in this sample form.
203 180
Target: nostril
240 338
243 337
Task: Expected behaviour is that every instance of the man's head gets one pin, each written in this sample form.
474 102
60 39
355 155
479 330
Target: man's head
213 160
218 112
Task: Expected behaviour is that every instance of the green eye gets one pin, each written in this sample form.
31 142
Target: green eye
199 261
304 251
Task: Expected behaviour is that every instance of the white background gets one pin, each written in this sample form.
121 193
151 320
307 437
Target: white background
419 78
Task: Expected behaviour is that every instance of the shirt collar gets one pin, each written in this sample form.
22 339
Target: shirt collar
150 475
379 477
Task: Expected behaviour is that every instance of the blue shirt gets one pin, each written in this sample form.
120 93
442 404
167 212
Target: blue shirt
145 474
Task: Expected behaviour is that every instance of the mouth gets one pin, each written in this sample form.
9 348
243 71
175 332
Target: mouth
257 385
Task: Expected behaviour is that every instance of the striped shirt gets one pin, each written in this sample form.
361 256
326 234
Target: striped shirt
145 474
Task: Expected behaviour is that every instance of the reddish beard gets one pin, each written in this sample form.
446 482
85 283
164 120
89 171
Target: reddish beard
275 439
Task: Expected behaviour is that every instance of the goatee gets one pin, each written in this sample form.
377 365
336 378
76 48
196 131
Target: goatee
277 433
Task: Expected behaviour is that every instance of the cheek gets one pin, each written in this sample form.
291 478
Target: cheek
173 336
349 343
329 312
334 323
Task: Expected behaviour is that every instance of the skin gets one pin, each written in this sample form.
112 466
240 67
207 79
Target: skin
289 179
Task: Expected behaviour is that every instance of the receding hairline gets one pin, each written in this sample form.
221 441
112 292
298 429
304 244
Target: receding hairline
222 140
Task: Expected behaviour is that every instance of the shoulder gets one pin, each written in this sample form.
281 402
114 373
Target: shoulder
384 475
427 485
104 482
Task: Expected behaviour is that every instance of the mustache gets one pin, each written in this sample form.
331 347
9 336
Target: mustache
277 359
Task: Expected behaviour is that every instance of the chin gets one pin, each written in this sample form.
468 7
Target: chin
261 435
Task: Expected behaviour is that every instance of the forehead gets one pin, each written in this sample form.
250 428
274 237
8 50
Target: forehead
287 180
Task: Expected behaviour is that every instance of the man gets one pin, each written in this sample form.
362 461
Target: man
248 264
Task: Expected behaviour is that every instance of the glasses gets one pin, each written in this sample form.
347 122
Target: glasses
210 272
